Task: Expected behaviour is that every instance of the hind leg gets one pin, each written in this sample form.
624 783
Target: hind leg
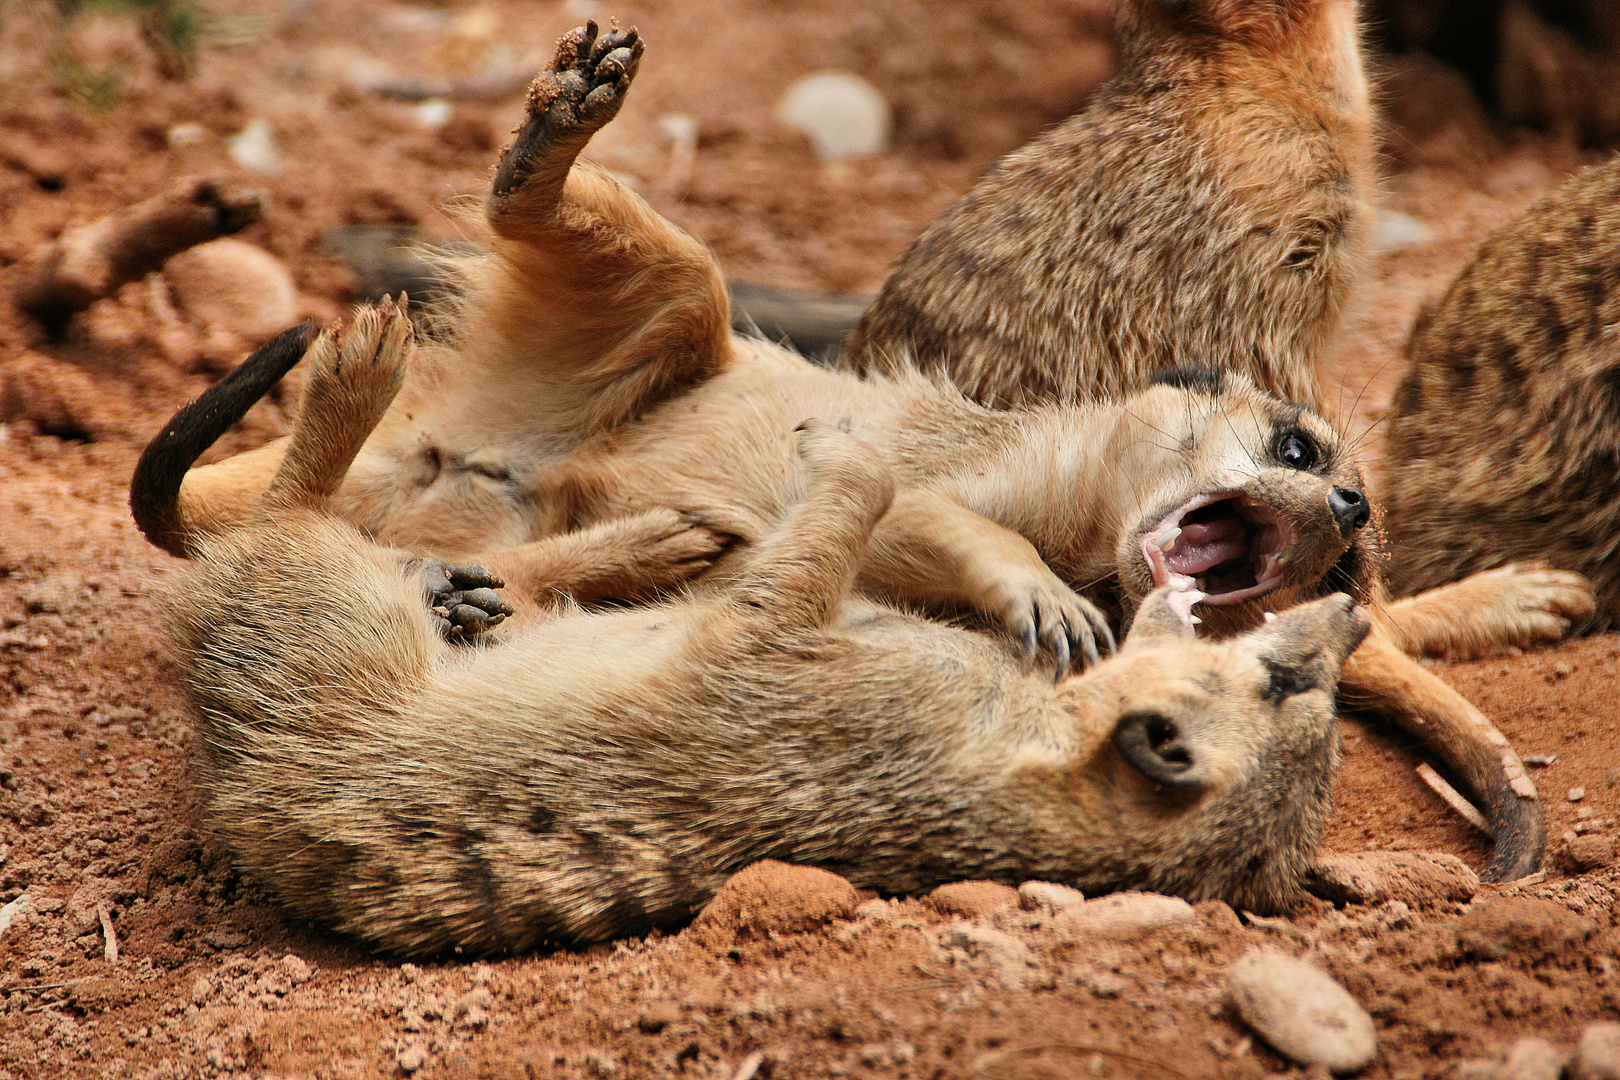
1493 611
590 288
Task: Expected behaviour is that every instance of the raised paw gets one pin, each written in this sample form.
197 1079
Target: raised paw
359 370
1042 612
461 599
570 101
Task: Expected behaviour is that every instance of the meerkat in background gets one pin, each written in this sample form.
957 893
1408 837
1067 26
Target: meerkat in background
590 381
594 776
1211 206
1504 433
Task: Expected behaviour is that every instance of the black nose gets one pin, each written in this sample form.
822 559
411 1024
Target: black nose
1350 509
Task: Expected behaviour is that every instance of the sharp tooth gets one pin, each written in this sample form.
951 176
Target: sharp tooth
1195 597
1286 557
1195 620
1271 616
1198 583
1167 539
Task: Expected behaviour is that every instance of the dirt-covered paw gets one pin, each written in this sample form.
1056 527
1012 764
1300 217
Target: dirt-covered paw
461 599
581 91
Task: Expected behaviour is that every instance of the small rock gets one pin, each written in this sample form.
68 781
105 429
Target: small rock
1416 878
1532 1059
656 1017
433 113
201 991
770 897
1104 984
971 899
187 134
842 114
472 1009
1540 761
1302 1012
1597 1055
1396 230
1044 896
1592 851
1127 916
231 285
1525 929
410 1057
1576 794
254 147
296 968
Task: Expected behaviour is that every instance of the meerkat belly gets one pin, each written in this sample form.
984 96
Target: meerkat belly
433 493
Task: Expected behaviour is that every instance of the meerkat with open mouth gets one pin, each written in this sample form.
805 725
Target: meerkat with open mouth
590 382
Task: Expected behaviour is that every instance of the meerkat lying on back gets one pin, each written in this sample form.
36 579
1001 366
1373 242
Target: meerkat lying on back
594 776
1504 434
591 383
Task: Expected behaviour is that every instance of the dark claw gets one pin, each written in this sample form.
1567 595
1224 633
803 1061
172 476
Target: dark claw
575 47
1029 642
1060 653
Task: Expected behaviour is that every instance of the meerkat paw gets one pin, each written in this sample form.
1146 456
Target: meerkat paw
571 100
839 461
1041 611
461 599
356 373
659 550
1513 607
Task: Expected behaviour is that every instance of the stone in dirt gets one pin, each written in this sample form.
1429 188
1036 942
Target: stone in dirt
1532 1059
1420 879
971 899
1302 1012
1044 896
1126 916
1526 930
1597 1055
774 898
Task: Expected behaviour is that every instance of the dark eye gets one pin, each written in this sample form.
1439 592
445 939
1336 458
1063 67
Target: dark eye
1297 451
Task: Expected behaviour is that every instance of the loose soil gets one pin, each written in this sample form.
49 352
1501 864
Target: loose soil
101 826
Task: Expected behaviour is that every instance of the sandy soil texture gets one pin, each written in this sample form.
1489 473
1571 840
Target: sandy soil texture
140 953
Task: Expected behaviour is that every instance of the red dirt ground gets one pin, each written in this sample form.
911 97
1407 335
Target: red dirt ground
96 811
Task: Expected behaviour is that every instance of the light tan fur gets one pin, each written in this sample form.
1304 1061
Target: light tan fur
590 378
593 776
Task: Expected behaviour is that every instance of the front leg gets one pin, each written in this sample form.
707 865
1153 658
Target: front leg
634 558
932 549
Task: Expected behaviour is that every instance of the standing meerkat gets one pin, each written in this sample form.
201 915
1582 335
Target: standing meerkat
589 776
1504 433
589 381
1211 206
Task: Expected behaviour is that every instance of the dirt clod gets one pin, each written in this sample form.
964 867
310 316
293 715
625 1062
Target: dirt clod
1419 879
774 898
1597 1055
1526 931
972 899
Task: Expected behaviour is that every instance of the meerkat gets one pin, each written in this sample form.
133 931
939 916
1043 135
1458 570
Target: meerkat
1210 206
590 378
1503 441
593 776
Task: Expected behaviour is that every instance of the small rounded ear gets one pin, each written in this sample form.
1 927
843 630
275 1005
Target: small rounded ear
1160 749
1165 616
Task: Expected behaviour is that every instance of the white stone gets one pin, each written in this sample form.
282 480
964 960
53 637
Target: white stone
254 147
1302 1012
188 134
1396 230
1044 896
1127 916
1597 1055
842 114
433 113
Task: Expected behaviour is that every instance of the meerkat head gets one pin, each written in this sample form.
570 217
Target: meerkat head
1212 761
1257 503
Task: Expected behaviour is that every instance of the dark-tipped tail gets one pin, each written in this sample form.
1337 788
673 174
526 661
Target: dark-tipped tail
154 491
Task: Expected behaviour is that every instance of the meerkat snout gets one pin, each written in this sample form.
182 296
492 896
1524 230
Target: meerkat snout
1350 509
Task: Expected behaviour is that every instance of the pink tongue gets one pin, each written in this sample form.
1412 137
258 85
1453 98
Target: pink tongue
1206 545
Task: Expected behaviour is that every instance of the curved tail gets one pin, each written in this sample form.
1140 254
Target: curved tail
154 490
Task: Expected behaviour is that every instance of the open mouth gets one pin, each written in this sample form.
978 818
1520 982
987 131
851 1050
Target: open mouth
1231 547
